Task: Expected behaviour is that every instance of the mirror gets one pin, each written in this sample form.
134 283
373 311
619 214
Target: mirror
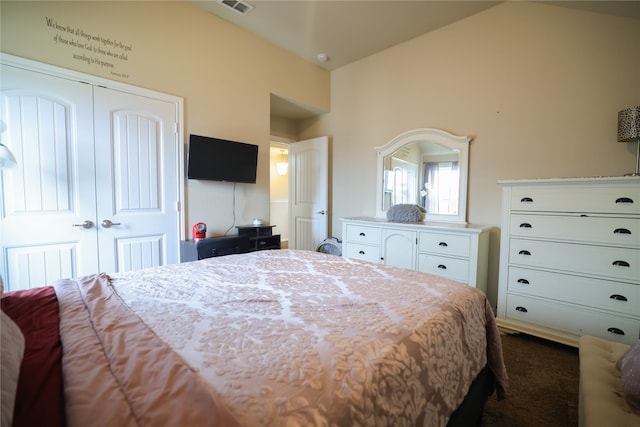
426 167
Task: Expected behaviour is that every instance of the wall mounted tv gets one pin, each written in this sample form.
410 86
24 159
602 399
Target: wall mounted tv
215 159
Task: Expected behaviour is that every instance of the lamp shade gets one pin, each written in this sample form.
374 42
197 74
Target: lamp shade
629 125
6 158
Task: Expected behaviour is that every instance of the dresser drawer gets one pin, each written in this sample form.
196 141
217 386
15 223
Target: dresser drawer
445 244
363 234
572 319
612 199
452 268
623 298
363 252
602 261
589 229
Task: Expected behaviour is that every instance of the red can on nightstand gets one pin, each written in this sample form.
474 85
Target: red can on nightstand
199 230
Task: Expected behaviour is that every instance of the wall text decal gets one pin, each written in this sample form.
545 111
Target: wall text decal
91 48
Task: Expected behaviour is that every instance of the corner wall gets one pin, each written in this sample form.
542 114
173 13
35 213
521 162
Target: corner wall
537 86
176 48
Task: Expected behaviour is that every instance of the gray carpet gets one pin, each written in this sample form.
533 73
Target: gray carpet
543 391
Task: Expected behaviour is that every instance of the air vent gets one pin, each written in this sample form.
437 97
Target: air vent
238 6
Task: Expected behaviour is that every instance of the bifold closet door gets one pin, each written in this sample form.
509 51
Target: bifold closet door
96 188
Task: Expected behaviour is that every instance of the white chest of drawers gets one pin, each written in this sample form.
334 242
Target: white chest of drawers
455 251
570 258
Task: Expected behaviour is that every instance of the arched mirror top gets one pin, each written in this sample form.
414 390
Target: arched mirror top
426 167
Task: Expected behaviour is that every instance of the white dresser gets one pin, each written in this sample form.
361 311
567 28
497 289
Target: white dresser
455 251
570 258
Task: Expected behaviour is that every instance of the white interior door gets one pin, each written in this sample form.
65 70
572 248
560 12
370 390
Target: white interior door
308 193
51 194
136 148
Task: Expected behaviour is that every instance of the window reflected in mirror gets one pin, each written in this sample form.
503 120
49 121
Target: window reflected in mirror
423 173
440 181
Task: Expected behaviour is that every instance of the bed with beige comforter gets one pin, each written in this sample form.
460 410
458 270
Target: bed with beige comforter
272 338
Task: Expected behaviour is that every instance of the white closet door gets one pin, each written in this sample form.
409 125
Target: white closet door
52 192
136 152
86 155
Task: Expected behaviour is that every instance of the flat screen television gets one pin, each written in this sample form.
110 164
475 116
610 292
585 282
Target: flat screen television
215 159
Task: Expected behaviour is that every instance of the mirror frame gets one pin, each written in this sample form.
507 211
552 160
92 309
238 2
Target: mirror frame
446 139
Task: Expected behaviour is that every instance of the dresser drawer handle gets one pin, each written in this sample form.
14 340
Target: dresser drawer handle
618 297
442 267
523 281
525 225
526 200
524 253
361 252
621 231
616 331
621 263
521 309
362 234
443 244
624 200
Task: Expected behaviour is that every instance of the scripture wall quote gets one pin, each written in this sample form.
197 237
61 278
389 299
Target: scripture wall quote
94 49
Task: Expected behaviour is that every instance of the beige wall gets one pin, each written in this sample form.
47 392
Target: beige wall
538 86
181 50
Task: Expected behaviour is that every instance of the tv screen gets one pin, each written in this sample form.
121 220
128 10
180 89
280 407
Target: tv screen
217 159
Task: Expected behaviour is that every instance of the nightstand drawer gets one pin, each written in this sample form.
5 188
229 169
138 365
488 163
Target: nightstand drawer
588 229
363 234
577 198
572 319
363 252
445 244
602 261
623 298
452 268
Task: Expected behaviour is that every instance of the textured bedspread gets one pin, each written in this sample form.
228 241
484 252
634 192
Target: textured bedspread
303 338
279 338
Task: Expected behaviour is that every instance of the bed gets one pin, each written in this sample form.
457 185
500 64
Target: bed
269 338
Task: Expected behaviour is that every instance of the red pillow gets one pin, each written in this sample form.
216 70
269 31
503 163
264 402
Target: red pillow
39 395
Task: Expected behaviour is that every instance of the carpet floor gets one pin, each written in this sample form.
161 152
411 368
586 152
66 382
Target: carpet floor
543 385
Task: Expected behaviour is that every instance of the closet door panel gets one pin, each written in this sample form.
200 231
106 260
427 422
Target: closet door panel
49 196
136 148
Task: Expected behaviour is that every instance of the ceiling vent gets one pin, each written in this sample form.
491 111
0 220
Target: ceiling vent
238 6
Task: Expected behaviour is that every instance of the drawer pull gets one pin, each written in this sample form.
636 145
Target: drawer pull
361 252
621 231
616 331
618 297
624 200
442 267
443 244
362 234
523 281
521 309
524 253
621 263
526 200
525 225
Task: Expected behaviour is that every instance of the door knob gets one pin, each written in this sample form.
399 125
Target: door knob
322 212
87 224
107 223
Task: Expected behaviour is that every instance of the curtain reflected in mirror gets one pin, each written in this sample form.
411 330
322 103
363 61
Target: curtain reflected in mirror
440 191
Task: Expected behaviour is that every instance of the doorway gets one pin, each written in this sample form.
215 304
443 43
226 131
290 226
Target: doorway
279 188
